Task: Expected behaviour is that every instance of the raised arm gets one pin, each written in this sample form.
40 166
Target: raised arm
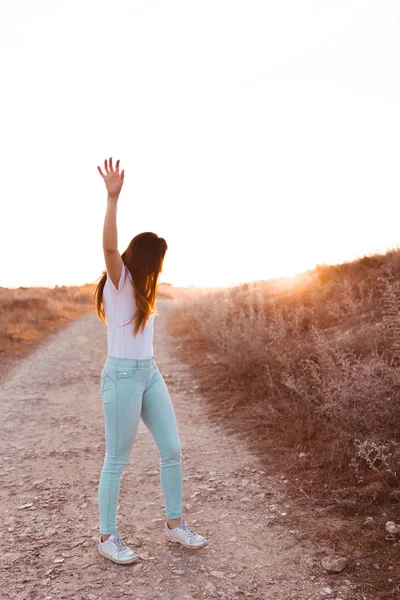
114 181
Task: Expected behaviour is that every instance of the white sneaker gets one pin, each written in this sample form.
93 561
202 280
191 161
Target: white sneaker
114 549
184 535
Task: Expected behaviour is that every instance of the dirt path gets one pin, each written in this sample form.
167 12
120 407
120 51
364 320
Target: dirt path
52 448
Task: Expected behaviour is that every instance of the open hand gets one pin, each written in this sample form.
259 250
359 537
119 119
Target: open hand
112 177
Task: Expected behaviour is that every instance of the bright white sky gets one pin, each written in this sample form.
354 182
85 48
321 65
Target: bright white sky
258 137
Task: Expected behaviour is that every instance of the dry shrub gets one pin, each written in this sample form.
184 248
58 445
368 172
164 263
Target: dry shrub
321 352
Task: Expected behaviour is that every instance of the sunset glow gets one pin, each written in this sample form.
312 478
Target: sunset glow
259 138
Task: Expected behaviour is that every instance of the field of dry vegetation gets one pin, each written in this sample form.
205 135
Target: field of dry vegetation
307 369
28 314
318 355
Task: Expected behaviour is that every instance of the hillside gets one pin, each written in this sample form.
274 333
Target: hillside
306 370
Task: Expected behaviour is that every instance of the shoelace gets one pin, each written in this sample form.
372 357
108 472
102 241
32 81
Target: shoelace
185 527
118 543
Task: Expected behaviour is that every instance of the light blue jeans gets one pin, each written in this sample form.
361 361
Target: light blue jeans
131 389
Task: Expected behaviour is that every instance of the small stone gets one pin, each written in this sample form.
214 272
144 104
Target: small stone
326 591
25 506
152 472
391 527
177 571
395 496
245 500
58 560
209 587
78 542
218 574
369 521
334 564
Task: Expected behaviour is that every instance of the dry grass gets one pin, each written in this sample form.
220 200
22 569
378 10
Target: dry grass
28 314
307 371
320 358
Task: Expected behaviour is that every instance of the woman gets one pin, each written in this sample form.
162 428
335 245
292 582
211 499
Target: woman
131 385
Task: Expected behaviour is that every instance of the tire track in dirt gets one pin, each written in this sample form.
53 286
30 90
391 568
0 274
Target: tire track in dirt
52 449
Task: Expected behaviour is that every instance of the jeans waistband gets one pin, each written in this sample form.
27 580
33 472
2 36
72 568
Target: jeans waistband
129 362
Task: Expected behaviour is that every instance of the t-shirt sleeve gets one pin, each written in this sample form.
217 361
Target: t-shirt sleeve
121 281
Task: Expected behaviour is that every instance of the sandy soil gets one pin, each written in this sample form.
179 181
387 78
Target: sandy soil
52 448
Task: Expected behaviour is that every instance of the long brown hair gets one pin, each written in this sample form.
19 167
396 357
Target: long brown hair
144 259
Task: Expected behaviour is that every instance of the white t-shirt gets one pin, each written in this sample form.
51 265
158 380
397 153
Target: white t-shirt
119 307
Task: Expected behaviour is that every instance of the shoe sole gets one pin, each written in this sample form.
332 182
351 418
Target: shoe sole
186 546
119 562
